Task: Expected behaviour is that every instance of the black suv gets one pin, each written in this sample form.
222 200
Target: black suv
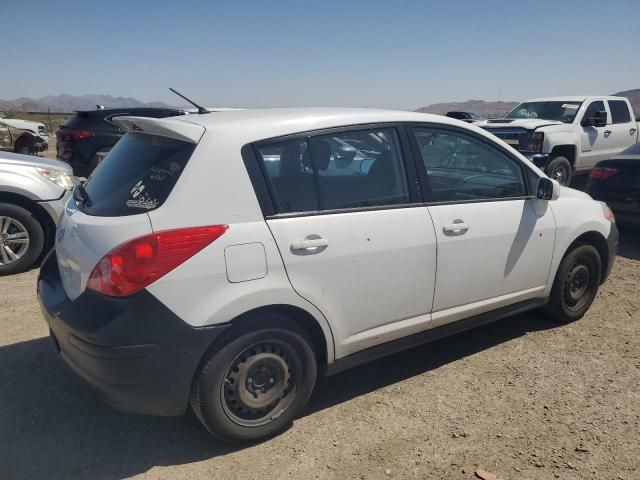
85 139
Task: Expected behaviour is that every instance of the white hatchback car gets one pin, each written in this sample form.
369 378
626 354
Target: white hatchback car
226 260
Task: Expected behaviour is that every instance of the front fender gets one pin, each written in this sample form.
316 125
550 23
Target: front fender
574 218
28 185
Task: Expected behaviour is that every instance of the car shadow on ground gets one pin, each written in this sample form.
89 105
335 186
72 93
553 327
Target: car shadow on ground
629 242
53 426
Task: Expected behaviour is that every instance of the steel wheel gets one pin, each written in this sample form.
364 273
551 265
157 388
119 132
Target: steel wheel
576 285
560 174
260 384
14 240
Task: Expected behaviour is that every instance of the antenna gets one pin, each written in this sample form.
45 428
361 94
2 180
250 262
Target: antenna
200 109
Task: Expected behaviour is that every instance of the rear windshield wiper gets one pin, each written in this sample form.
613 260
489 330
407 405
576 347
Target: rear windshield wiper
80 195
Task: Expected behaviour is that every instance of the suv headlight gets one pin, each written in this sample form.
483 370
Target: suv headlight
59 177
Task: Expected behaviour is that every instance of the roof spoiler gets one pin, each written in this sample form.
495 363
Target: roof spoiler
165 127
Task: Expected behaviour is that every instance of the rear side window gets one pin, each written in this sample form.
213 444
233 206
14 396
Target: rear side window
619 111
354 169
136 176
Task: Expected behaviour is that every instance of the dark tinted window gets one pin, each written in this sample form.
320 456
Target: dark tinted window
461 167
344 170
619 111
593 108
137 175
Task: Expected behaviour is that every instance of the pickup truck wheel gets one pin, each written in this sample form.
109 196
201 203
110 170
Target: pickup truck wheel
256 382
559 169
21 239
25 145
575 285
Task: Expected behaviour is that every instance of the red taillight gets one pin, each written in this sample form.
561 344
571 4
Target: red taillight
133 265
66 135
602 173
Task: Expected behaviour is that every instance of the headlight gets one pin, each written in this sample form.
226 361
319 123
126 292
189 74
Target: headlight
533 142
608 214
59 177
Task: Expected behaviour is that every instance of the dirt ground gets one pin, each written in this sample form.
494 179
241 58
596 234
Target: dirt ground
522 398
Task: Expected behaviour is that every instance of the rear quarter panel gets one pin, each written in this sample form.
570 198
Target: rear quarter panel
215 189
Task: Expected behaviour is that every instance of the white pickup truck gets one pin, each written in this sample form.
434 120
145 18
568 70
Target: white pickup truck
23 136
566 135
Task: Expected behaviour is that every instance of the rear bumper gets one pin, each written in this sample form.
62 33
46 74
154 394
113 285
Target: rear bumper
136 352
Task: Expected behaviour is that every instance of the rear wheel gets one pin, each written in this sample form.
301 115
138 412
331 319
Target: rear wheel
256 382
576 284
21 239
559 169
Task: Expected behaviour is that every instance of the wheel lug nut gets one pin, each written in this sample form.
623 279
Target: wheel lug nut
250 380
271 380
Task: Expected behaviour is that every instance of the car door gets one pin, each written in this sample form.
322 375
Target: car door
495 240
356 242
623 127
595 142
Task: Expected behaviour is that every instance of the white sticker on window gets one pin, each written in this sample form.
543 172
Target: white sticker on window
569 106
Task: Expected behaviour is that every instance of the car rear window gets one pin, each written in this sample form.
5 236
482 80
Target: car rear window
136 176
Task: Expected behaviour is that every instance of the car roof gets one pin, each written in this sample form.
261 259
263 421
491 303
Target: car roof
18 159
575 98
273 122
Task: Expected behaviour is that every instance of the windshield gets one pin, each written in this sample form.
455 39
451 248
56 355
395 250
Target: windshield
558 111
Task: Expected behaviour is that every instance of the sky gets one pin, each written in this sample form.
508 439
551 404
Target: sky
395 54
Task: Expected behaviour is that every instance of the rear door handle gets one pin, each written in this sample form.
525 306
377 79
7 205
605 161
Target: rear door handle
607 133
632 131
458 227
310 243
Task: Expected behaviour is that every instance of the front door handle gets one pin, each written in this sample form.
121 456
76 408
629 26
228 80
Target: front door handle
607 133
308 244
458 227
632 131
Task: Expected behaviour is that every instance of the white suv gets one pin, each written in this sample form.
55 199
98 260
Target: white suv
225 260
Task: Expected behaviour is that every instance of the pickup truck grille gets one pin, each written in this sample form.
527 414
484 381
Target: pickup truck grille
42 130
512 136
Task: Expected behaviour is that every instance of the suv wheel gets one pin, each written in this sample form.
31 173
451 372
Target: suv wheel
559 169
21 239
256 382
575 285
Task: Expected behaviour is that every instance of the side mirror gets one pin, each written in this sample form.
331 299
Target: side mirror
600 119
547 189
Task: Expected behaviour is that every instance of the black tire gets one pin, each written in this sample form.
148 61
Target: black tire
576 284
559 168
236 408
35 239
25 145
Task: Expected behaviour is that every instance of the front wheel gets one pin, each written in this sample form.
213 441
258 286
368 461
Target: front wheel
559 169
21 239
576 284
256 382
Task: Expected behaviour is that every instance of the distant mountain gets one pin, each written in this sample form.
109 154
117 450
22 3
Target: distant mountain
69 103
485 109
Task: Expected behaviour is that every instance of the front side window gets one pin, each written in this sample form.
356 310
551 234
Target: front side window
557 111
619 111
361 168
593 108
464 168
